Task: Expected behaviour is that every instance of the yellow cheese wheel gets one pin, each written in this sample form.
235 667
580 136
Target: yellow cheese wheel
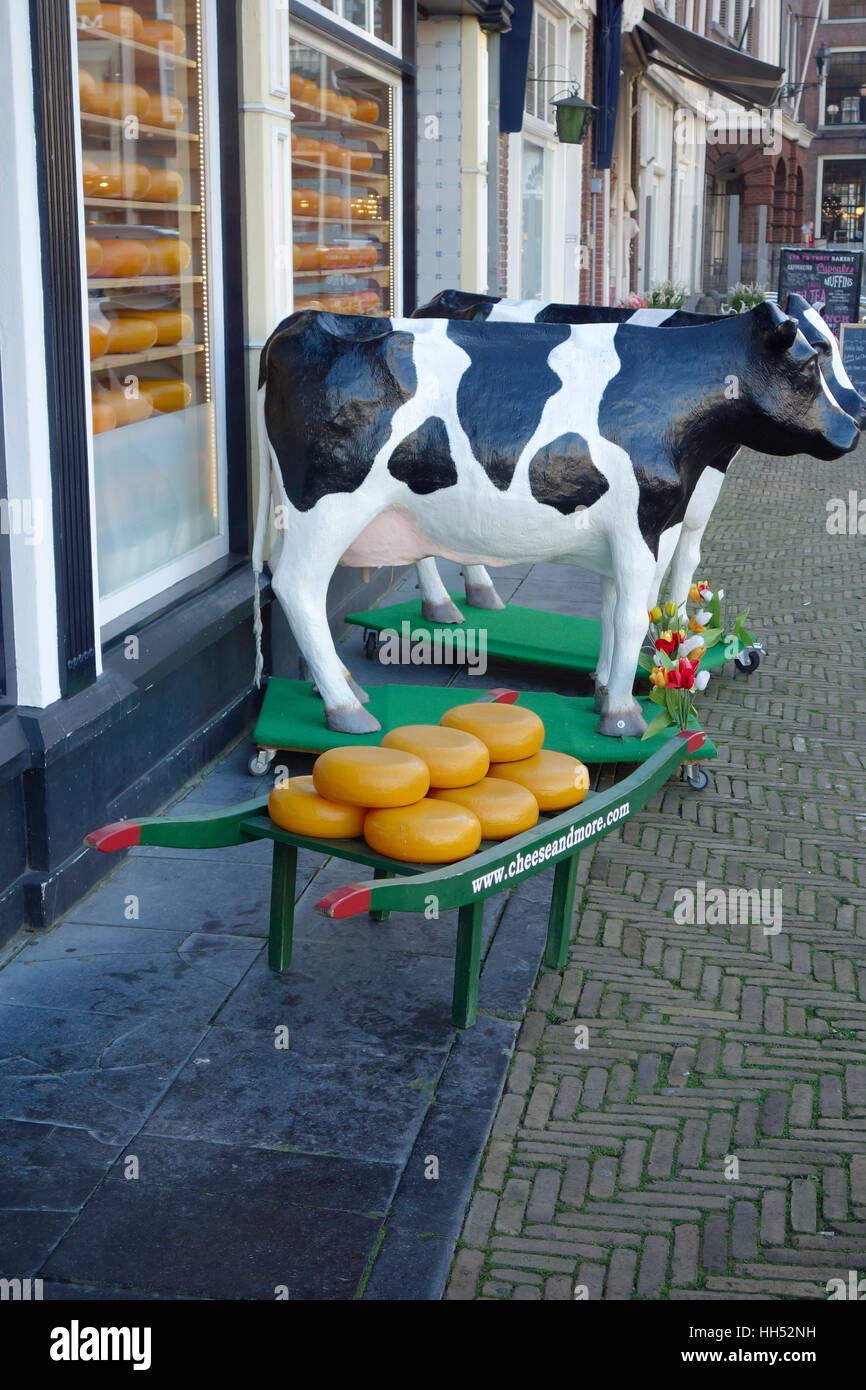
556 780
371 776
156 32
104 417
171 325
86 85
455 759
128 410
130 335
297 806
428 832
93 252
167 393
118 99
121 256
168 255
162 110
120 20
166 186
503 808
112 178
98 336
508 731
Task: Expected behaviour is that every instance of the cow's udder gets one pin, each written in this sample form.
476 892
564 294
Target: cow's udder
395 538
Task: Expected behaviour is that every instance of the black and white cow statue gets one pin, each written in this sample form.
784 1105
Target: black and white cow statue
680 546
494 443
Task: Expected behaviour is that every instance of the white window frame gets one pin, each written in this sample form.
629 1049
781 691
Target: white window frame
115 605
313 38
357 31
822 90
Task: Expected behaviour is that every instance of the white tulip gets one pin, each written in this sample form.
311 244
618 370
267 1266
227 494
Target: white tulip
721 593
703 617
690 644
702 680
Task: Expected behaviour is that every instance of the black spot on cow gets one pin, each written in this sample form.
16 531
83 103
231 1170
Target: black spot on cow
423 459
456 304
504 390
563 475
333 385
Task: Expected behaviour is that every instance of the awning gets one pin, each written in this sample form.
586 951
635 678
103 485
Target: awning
513 65
725 70
608 41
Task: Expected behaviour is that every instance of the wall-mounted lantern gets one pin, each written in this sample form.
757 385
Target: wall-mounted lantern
572 118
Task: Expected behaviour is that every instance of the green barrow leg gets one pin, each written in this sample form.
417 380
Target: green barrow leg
467 963
561 904
378 914
282 905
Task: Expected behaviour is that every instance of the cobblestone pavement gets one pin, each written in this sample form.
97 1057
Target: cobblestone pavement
708 1142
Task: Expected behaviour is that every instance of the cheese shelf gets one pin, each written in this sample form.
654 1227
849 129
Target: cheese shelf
356 224
381 274
140 206
132 45
330 120
333 171
139 282
151 132
129 359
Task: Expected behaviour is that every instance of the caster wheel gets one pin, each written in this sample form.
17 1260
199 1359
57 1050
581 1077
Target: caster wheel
371 644
261 761
697 778
748 661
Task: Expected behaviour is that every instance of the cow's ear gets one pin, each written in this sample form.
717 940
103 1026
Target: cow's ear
821 306
781 336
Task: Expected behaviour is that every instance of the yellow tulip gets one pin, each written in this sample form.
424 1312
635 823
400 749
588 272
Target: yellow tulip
655 614
670 609
658 676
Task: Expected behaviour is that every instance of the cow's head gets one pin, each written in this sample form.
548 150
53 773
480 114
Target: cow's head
810 320
792 411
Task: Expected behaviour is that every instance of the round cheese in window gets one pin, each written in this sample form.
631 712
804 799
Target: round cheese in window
166 186
123 257
158 32
104 418
503 808
93 252
171 324
297 807
371 776
130 335
120 20
167 393
428 832
556 780
168 255
454 758
508 731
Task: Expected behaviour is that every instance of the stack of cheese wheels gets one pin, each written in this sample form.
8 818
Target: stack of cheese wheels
556 780
295 805
513 736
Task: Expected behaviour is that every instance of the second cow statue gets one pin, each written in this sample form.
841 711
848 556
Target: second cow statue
389 440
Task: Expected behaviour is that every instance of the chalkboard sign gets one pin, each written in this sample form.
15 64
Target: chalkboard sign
831 276
854 354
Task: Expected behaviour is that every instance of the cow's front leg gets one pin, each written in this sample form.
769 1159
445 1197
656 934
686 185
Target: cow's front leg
605 654
480 592
436 603
621 715
687 555
308 558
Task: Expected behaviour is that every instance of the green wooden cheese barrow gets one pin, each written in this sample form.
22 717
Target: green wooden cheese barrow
557 839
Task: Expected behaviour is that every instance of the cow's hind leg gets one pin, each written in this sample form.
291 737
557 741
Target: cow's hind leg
621 715
300 583
436 602
480 591
605 655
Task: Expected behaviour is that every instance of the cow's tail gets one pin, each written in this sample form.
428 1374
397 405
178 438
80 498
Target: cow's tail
261 529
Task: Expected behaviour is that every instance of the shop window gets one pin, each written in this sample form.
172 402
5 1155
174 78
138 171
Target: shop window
342 186
846 9
845 98
843 194
144 159
374 17
532 221
542 79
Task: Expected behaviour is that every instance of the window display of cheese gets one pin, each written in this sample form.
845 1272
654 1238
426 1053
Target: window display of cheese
98 327
335 206
116 178
89 176
428 832
86 85
118 100
306 256
454 759
371 776
121 256
166 186
348 257
366 110
104 418
305 203
335 156
167 393
305 147
131 334
128 410
168 255
556 780
156 32
171 324
303 89
297 806
120 20
503 808
335 103
509 731
164 111
93 252
361 160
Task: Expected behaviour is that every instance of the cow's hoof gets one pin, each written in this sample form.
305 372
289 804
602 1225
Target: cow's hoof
600 698
622 724
483 596
356 690
441 611
352 719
